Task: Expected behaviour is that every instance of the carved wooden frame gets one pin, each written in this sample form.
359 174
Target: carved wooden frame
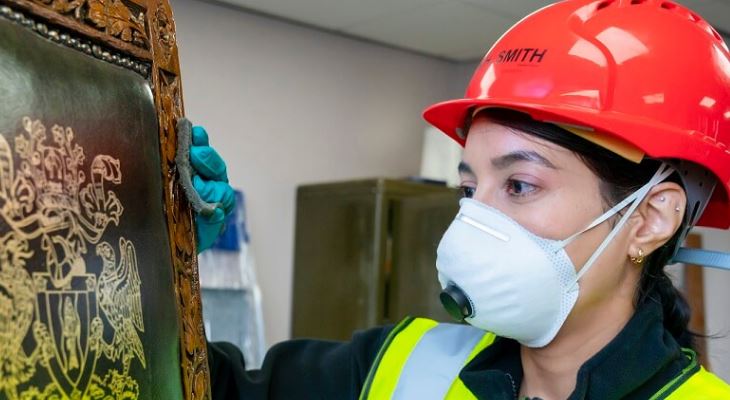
140 35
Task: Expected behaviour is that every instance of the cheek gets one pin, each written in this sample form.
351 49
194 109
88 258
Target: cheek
581 249
608 274
560 214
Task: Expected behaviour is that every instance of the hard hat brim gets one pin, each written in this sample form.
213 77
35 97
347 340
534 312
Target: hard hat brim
656 140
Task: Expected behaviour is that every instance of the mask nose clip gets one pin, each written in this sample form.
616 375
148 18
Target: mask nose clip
456 302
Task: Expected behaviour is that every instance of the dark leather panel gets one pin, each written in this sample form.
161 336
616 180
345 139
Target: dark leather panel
87 305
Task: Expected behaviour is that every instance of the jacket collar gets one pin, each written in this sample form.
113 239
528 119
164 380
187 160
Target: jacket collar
637 363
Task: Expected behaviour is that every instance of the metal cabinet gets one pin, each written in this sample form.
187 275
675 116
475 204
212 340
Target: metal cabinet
365 254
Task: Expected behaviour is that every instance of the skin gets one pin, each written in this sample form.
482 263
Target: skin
552 193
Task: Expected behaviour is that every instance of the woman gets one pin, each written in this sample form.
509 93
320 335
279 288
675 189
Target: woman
595 136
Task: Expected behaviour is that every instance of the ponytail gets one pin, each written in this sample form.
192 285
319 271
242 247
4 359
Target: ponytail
656 286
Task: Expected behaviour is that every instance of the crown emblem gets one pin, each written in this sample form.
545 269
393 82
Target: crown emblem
53 169
51 192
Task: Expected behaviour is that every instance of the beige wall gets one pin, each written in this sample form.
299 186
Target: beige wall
287 105
717 304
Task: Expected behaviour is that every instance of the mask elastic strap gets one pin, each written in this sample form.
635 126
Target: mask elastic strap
601 219
662 173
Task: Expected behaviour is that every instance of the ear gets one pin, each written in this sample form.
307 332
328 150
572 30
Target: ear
657 218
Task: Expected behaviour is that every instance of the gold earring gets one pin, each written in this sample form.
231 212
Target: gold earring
638 260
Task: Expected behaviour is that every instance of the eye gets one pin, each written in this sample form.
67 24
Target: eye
519 188
467 191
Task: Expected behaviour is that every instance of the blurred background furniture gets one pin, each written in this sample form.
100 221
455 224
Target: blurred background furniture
365 254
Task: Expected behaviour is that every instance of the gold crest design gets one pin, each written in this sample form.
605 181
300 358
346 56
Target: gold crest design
54 313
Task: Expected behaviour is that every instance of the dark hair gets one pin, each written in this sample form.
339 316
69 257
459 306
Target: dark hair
619 178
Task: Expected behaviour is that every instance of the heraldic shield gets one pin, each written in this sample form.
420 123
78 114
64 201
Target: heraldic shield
99 295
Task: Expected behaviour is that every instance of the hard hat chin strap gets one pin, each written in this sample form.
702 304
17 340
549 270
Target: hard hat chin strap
698 185
706 258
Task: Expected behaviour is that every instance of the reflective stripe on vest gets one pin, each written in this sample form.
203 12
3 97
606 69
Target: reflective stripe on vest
421 359
428 363
694 382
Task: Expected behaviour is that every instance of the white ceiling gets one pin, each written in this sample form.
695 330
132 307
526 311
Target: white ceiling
458 30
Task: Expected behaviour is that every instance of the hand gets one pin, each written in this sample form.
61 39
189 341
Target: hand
211 183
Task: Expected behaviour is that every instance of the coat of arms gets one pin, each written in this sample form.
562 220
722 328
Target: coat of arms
76 329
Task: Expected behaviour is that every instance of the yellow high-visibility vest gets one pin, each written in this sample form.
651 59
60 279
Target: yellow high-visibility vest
421 359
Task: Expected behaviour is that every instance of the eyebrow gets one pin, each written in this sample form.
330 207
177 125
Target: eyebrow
464 168
509 159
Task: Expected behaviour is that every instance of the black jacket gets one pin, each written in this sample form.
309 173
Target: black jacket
639 361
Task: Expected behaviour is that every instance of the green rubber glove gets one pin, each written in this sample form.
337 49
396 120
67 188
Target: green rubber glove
211 183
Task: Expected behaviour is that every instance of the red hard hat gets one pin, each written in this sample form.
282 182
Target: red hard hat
651 73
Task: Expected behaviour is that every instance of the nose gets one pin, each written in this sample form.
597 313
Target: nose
486 192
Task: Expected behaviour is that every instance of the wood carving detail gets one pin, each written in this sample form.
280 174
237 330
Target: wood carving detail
111 16
165 34
76 42
180 224
164 45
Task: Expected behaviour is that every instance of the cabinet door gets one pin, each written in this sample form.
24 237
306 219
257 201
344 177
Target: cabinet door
337 282
417 225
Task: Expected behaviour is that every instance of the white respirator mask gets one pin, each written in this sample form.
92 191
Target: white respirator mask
502 278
